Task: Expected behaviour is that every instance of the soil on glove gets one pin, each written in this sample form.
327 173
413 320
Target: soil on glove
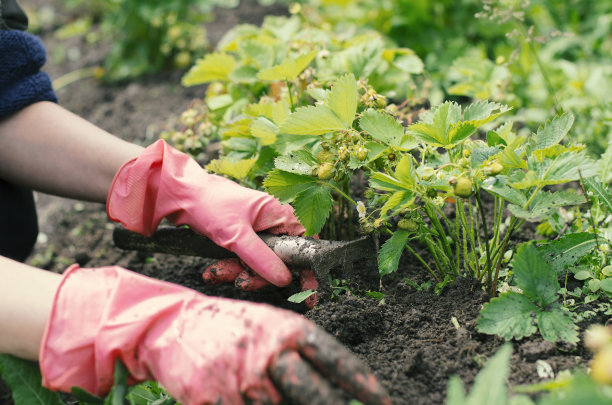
408 339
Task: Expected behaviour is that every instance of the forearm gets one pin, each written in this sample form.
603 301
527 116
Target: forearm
26 297
49 149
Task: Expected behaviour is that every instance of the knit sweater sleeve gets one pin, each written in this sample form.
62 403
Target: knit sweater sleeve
21 81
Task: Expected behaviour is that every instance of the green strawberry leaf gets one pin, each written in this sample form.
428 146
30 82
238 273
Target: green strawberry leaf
510 316
391 252
286 186
601 191
382 127
312 207
289 69
490 383
567 250
213 67
343 98
301 296
24 381
238 170
497 186
264 129
557 325
382 181
534 276
312 120
545 203
552 132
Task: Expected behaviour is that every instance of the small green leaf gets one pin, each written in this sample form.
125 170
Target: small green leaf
557 325
382 181
594 285
301 296
312 207
391 251
397 200
606 285
490 383
24 381
545 203
409 63
510 160
605 165
509 316
496 186
460 131
264 129
568 249
583 275
285 186
289 69
382 127
120 388
85 397
298 162
552 132
238 170
343 98
404 171
534 276
312 120
214 66
455 392
600 191
494 140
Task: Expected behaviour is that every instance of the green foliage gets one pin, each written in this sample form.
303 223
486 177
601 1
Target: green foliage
489 385
24 380
511 315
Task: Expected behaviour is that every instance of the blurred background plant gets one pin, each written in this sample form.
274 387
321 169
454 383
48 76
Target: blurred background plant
538 56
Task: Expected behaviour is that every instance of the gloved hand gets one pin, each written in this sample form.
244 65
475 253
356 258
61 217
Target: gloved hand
165 183
203 350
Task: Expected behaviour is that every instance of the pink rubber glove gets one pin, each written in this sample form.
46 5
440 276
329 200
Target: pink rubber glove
203 350
165 183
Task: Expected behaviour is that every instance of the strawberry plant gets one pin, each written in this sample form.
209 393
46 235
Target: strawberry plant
451 170
514 315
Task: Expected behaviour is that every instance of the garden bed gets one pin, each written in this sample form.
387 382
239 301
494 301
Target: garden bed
413 340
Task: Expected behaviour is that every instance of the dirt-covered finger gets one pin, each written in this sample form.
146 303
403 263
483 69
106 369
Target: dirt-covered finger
299 383
308 281
342 367
249 281
222 271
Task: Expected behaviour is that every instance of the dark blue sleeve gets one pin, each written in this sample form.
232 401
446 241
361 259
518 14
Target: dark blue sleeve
21 81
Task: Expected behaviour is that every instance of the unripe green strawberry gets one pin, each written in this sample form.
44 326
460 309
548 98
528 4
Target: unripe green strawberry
325 145
380 102
326 171
362 153
391 156
463 162
343 153
462 186
406 224
324 156
467 153
369 194
494 168
427 173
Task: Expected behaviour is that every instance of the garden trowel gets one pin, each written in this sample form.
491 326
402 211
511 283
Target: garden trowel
319 255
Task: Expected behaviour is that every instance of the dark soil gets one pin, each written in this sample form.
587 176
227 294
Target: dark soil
408 339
